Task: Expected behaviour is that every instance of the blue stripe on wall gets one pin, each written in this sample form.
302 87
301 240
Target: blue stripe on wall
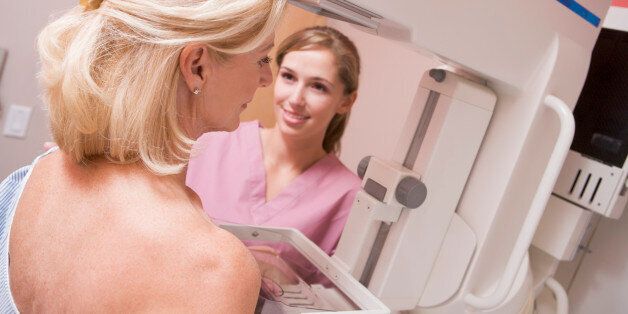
581 11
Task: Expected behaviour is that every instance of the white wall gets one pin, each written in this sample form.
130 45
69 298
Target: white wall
617 18
20 22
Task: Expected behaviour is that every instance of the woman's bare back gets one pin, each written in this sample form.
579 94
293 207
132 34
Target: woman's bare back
104 237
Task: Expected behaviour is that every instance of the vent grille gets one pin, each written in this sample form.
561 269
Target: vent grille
588 183
588 188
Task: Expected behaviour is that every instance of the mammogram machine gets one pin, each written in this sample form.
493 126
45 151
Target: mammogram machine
459 156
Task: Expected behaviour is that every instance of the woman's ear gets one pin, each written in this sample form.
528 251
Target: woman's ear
347 103
195 65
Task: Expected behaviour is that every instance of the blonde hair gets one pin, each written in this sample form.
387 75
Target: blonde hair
110 74
347 63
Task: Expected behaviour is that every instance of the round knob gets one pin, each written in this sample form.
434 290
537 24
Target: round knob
411 192
364 163
438 74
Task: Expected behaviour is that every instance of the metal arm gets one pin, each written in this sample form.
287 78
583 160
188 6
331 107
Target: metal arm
565 137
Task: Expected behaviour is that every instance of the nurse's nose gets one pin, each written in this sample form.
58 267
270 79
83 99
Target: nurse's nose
296 95
266 77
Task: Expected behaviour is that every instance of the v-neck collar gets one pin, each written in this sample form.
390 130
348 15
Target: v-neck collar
262 210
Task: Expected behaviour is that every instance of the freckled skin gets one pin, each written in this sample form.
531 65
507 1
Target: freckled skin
127 242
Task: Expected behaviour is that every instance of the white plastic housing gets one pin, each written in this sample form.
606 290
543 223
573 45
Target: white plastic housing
593 185
453 137
360 296
562 227
522 62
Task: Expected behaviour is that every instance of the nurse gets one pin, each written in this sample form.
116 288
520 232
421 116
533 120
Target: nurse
289 175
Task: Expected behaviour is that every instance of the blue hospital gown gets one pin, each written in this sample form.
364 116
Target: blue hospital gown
10 191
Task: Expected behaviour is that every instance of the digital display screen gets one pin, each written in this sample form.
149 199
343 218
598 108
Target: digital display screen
601 112
375 189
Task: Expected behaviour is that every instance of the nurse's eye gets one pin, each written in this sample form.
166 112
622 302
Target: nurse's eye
264 61
287 76
320 87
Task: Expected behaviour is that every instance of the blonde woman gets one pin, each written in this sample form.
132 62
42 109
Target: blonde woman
105 223
289 175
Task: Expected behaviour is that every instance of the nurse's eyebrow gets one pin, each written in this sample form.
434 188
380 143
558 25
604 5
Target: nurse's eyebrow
320 79
314 78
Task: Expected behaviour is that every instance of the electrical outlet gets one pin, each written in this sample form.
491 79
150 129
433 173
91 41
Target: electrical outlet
17 120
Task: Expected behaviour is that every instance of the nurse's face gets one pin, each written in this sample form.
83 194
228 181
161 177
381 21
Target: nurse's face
308 93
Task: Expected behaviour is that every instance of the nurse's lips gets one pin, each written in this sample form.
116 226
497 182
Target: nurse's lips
294 115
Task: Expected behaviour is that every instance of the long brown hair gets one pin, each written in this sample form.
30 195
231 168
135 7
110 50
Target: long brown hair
347 63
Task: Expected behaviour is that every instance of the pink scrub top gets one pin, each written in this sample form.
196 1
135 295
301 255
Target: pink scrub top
227 172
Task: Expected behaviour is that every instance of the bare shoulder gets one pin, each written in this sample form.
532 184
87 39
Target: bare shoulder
207 268
222 270
145 247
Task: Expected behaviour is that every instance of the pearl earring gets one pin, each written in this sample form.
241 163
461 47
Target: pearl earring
197 91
